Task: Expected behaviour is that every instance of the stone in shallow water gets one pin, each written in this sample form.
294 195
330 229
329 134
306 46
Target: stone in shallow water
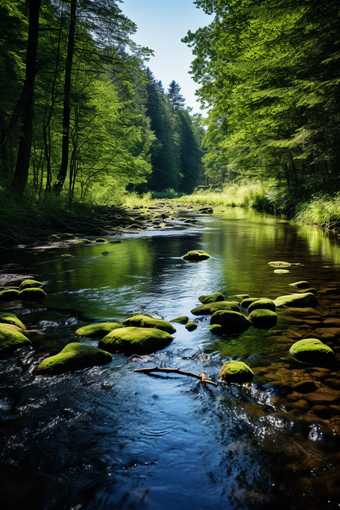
262 303
32 294
236 372
300 285
135 340
11 338
279 264
210 308
98 330
231 322
9 295
11 318
211 298
296 300
183 319
263 319
27 284
312 350
143 321
196 256
191 326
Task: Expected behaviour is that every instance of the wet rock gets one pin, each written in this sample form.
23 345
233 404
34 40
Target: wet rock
231 322
9 295
206 210
84 241
332 383
11 338
312 350
27 284
98 330
335 410
183 319
296 300
212 298
32 294
248 301
236 372
300 285
210 308
281 271
305 387
301 405
321 398
11 318
263 319
262 303
135 340
195 256
100 240
143 321
191 326
322 412
74 356
332 322
330 331
136 319
216 329
279 264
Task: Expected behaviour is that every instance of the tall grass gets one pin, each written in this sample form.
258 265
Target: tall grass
321 209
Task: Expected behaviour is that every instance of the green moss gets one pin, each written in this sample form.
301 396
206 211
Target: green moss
281 271
296 300
279 264
11 318
135 320
9 295
195 256
183 319
191 326
134 340
231 322
28 284
98 330
300 285
100 240
312 351
236 372
248 301
216 329
32 294
263 318
11 338
212 298
262 303
74 356
144 321
84 241
210 308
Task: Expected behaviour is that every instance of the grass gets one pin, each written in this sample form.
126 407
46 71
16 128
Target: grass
321 209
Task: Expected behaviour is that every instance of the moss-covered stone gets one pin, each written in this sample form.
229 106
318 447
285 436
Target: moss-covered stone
74 356
9 295
212 298
296 300
84 241
300 285
236 372
195 256
210 308
29 284
191 326
183 319
32 294
281 271
248 301
135 340
11 318
144 321
279 264
100 240
313 351
231 322
263 318
11 338
262 303
135 320
216 329
98 330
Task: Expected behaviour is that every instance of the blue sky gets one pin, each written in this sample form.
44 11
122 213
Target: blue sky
161 25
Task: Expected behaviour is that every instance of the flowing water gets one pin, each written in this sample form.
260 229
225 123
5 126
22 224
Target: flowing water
111 438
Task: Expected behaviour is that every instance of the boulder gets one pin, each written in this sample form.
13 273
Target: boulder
212 298
216 329
135 340
279 264
32 294
28 284
262 303
136 319
9 295
236 372
11 338
313 351
231 322
210 308
195 256
183 319
263 319
190 326
11 318
98 330
300 285
296 300
74 356
248 301
144 321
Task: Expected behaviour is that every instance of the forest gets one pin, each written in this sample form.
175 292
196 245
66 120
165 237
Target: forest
84 120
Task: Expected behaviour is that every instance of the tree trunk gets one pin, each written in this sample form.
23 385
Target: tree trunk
67 102
21 171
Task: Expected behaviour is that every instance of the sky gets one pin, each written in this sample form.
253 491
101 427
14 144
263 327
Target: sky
161 25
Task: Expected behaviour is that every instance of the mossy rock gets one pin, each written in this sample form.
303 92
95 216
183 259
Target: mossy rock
144 321
296 300
98 330
216 329
135 340
312 351
236 372
9 295
210 308
263 318
84 241
136 319
191 326
248 301
11 338
32 294
74 356
100 240
212 298
195 256
279 264
29 284
11 318
231 322
183 319
281 271
300 285
262 303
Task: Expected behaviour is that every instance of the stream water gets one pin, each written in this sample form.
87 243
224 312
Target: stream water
110 438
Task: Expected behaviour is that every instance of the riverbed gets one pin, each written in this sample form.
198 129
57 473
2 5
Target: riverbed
108 437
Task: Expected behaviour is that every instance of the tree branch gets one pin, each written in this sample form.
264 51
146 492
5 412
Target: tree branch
201 376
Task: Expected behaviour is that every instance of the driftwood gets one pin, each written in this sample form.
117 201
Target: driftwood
201 376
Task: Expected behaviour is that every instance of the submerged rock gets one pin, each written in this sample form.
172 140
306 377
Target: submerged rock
74 356
236 372
32 294
313 351
9 295
11 338
262 303
183 319
263 318
195 256
135 340
191 326
231 322
210 308
28 284
300 285
296 300
98 330
212 298
11 318
144 321
279 264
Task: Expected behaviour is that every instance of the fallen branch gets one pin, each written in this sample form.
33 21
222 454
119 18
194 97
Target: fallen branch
201 376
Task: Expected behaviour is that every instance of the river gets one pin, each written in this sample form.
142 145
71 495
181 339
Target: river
111 438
